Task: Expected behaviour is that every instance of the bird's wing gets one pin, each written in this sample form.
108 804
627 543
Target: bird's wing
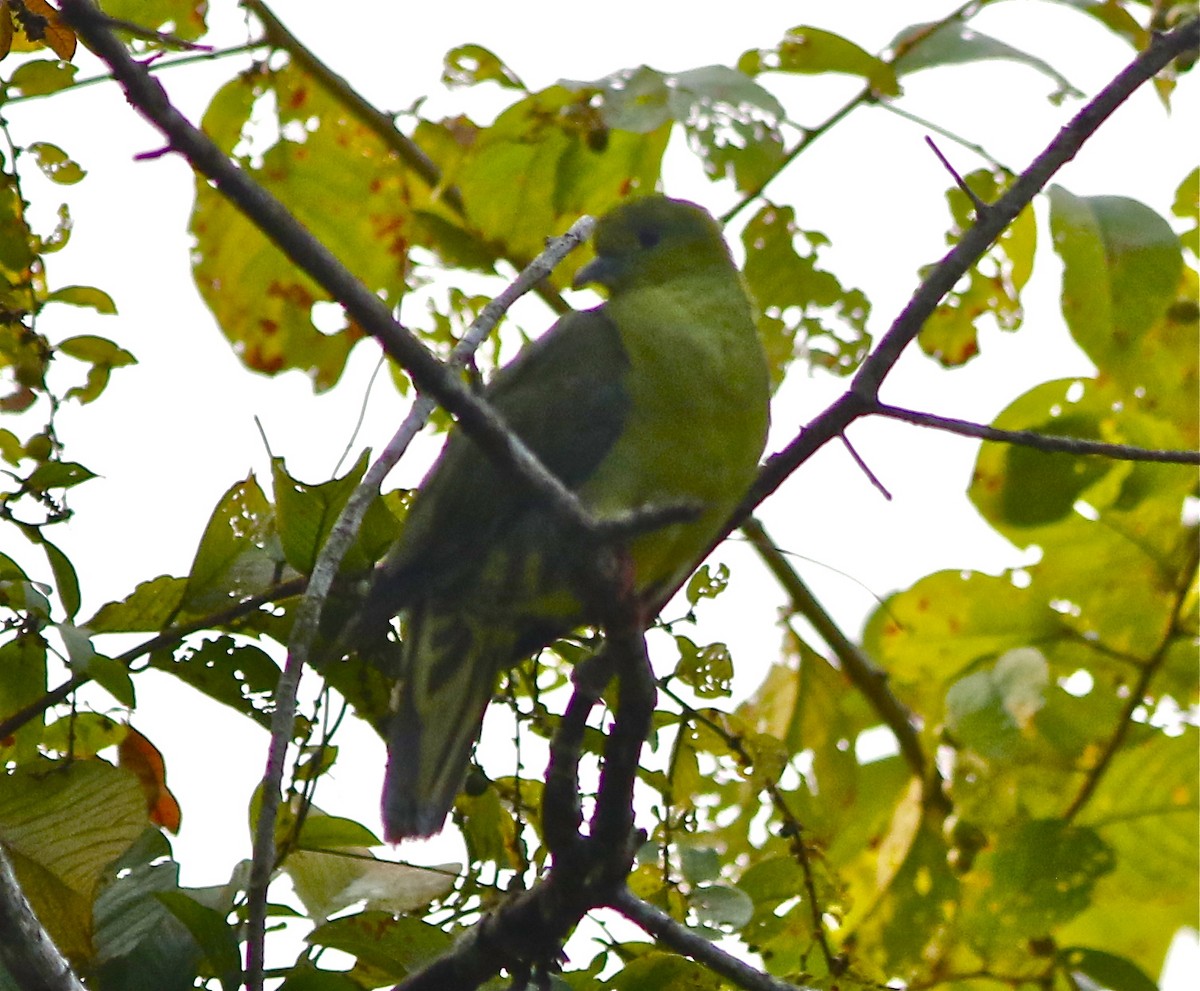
566 397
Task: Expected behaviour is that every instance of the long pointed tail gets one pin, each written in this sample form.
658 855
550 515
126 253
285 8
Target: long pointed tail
450 665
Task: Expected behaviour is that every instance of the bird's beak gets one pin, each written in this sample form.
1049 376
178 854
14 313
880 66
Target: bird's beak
600 270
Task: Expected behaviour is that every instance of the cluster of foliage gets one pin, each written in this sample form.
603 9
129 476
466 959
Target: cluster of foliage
1038 818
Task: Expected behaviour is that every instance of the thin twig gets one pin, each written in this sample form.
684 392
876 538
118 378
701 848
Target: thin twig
156 67
383 125
167 638
863 673
968 192
655 922
1137 694
1039 441
949 135
865 468
866 96
325 569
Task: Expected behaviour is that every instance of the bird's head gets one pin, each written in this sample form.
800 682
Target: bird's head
650 240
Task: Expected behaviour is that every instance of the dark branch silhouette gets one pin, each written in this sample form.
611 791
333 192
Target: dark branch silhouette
1051 443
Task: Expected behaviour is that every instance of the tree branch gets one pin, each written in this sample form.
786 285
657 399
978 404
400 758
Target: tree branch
863 673
325 569
167 638
26 949
866 96
478 419
1039 441
655 922
383 125
159 66
1137 694
862 398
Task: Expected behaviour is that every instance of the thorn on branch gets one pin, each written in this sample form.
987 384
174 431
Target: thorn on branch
981 208
150 156
872 477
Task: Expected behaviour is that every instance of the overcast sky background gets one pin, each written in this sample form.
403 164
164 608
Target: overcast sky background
871 185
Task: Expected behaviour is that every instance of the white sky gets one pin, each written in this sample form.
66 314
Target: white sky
871 185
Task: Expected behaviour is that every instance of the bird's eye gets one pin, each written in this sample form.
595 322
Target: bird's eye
647 237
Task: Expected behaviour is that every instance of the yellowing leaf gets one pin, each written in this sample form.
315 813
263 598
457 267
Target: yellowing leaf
144 759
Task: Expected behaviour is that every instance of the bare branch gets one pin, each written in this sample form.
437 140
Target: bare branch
980 207
27 951
865 468
655 922
526 933
1041 442
1137 694
866 676
862 399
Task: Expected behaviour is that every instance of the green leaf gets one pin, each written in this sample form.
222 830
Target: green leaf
322 161
11 448
1147 808
470 65
637 100
989 710
957 43
63 823
1122 268
810 50
65 579
140 946
707 583
324 832
1187 207
305 976
547 159
918 894
1116 18
396 946
83 734
656 970
1043 874
239 675
306 514
732 123
707 670
150 607
924 637
235 557
181 18
41 76
721 905
699 863
23 663
1017 488
56 164
1106 969
212 933
803 307
86 347
57 475
993 284
111 675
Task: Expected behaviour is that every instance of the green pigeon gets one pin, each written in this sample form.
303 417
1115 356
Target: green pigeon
658 397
